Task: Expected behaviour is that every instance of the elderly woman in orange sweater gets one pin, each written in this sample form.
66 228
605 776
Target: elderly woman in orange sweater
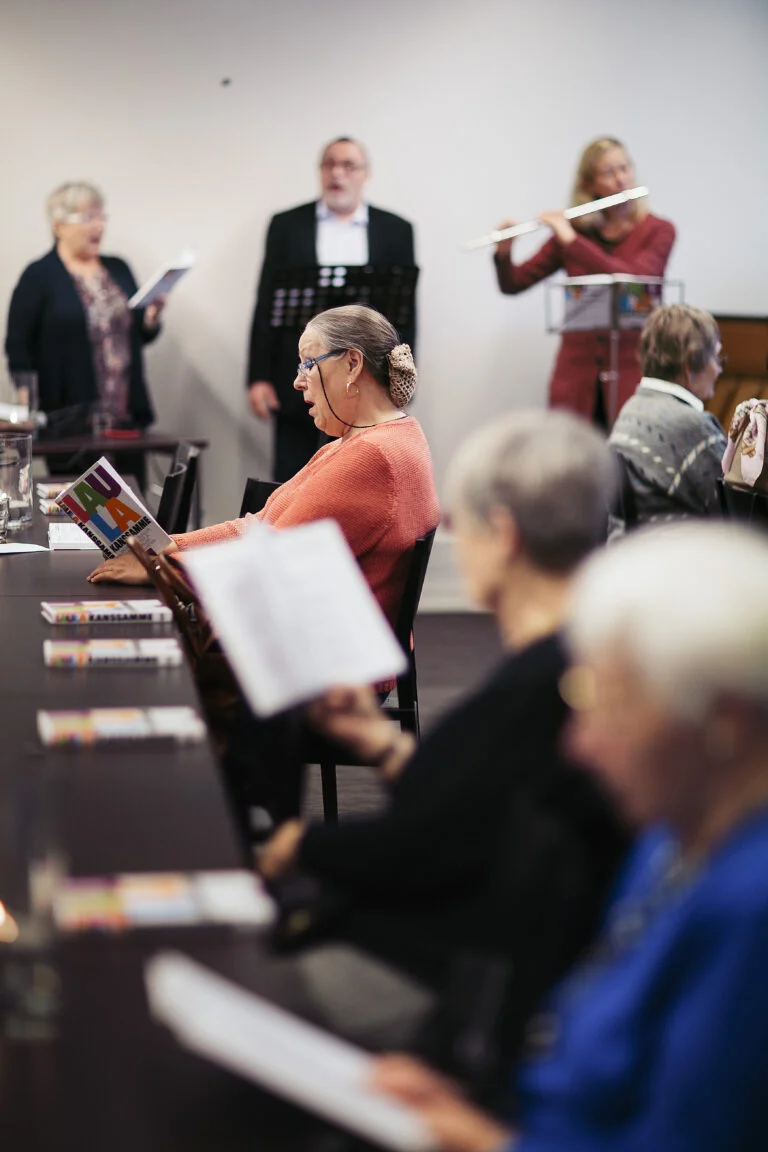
375 478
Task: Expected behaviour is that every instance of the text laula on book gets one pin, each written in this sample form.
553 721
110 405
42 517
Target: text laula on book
109 512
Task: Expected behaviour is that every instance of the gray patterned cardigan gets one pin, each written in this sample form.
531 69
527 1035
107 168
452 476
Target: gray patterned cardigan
671 453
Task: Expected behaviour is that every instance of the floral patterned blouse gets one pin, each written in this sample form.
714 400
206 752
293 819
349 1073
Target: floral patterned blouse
109 330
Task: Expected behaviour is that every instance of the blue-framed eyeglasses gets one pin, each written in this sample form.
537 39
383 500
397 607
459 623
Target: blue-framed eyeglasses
306 366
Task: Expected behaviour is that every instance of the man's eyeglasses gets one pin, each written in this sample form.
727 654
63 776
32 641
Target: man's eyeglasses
86 217
721 359
306 366
348 166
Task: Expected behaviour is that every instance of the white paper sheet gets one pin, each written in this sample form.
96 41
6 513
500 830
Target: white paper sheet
250 1036
11 549
162 281
294 613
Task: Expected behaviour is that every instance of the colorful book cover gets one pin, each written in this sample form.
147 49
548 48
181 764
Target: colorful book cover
160 652
100 725
109 513
167 899
105 612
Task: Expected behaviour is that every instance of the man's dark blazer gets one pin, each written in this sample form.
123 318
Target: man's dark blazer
48 334
291 244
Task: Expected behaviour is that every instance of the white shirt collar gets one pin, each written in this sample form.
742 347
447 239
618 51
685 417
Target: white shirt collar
672 390
359 216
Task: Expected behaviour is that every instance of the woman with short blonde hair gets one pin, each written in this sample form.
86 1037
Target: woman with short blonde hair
623 239
69 321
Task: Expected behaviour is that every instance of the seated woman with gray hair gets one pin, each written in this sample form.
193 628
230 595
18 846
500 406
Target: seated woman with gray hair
657 1040
492 842
375 479
70 323
670 447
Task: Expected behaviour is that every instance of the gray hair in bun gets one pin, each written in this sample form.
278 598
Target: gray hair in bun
402 375
388 361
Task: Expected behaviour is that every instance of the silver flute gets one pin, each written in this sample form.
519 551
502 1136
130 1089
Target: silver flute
570 214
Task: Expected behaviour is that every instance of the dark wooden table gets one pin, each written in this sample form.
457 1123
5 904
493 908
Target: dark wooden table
113 1080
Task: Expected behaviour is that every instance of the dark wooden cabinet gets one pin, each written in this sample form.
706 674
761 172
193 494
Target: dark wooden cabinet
745 343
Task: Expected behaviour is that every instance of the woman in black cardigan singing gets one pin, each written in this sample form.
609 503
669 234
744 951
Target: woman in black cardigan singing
69 322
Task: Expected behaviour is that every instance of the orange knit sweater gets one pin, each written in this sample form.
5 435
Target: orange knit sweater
378 485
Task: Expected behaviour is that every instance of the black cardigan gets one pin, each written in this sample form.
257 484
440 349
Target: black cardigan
492 840
48 334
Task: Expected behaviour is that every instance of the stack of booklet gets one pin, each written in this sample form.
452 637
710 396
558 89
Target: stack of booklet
148 899
108 512
68 537
105 612
180 724
46 492
155 652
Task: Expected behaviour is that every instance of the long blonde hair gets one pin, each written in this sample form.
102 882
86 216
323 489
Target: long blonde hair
582 185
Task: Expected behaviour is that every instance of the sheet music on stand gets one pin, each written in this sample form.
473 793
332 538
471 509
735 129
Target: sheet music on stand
611 303
606 301
300 293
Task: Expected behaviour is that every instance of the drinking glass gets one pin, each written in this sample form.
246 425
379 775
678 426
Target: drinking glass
16 477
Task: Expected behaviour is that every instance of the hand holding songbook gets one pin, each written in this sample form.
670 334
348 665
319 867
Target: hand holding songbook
455 1123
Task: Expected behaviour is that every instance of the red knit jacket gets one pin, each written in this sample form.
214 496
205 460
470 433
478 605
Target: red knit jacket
378 484
584 357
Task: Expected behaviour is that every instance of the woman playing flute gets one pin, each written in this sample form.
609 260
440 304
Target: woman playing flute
626 238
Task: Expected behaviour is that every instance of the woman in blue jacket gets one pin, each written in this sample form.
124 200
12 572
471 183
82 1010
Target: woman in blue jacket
657 1041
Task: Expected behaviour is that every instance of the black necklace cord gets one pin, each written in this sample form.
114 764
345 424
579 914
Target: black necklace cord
335 414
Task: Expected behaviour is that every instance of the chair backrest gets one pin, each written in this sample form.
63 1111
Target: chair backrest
738 502
409 604
176 499
625 506
256 494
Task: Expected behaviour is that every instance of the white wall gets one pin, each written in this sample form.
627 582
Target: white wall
471 111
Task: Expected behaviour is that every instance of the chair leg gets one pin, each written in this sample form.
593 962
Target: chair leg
330 792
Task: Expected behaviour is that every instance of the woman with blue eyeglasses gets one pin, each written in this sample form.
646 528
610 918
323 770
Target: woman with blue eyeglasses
375 478
69 322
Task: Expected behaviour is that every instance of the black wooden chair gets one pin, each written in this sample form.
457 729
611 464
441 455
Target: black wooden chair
256 494
178 489
738 502
405 709
625 505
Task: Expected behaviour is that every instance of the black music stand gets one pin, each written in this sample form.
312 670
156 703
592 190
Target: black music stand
300 293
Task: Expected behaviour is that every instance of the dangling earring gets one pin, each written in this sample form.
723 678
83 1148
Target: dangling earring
352 394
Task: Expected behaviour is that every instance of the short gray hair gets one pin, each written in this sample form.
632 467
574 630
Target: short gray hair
676 339
552 471
70 198
686 605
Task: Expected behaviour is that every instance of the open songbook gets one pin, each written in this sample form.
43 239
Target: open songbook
264 1043
162 281
108 512
293 613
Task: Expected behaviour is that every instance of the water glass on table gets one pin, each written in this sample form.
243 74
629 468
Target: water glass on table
16 479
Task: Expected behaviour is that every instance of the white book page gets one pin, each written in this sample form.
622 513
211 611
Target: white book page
294 614
268 1045
68 535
